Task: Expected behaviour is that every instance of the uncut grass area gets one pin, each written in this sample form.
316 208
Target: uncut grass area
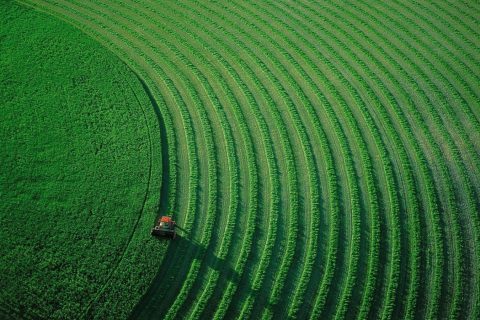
80 176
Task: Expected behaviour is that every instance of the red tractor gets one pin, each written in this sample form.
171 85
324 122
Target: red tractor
165 228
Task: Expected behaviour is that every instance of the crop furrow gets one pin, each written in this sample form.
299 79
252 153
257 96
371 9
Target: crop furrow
321 159
453 12
212 184
212 283
452 92
311 166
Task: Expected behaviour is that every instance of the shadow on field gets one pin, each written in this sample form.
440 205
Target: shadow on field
183 242
173 271
163 147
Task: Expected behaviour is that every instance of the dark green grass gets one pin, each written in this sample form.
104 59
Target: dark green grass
76 168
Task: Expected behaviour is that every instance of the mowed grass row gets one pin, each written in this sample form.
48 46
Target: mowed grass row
211 282
410 205
267 100
467 187
323 156
293 83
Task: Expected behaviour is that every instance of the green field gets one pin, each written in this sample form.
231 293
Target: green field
321 159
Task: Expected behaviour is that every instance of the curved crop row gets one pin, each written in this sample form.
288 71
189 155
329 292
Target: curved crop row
179 101
445 82
206 294
308 155
371 185
380 109
296 64
412 203
275 186
284 136
455 224
192 146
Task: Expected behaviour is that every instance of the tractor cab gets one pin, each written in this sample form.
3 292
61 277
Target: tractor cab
165 228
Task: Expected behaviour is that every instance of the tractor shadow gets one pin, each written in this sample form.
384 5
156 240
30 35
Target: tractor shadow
181 253
209 259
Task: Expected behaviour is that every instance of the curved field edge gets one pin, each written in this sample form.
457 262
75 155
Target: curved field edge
123 216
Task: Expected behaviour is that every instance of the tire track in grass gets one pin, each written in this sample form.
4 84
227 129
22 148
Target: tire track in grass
170 134
87 312
387 104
